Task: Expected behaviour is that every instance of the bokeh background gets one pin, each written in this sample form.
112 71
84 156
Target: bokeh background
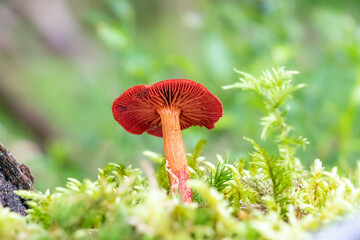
62 63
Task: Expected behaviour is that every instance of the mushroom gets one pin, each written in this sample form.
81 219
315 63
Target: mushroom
163 110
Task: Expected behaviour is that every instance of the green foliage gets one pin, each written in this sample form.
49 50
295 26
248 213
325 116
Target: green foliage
221 177
275 87
162 176
15 227
193 159
274 198
282 170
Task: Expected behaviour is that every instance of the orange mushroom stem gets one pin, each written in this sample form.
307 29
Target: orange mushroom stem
175 153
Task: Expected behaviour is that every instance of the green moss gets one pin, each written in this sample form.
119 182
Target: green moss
274 198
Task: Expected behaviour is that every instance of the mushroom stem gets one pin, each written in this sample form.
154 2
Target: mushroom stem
175 153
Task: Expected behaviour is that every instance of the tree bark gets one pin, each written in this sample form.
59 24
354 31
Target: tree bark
13 176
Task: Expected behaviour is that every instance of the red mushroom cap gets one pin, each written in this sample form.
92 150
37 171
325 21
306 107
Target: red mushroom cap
136 109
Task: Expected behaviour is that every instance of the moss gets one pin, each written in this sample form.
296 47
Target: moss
275 198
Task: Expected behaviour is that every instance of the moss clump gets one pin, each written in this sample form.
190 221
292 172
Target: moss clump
275 198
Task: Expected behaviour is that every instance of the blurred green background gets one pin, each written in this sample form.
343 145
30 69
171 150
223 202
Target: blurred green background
62 63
